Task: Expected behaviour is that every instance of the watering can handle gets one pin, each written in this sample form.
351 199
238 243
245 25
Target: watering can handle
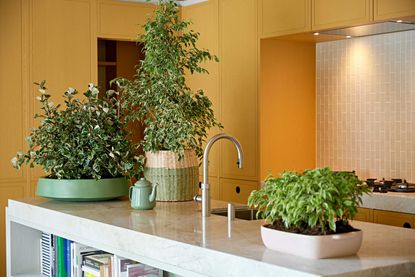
129 192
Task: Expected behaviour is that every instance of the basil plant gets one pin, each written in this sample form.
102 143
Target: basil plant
316 200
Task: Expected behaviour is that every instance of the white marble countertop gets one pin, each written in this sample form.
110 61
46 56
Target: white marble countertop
390 201
171 237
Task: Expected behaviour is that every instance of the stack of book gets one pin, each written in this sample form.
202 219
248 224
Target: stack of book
61 257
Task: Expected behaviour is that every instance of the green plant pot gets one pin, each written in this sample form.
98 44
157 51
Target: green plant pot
82 189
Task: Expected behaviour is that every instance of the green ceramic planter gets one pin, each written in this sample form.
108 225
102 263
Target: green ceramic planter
82 189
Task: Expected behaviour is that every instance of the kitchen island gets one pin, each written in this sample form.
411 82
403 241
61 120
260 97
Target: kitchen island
174 237
392 201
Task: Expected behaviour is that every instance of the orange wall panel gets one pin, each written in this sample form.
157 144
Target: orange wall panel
287 106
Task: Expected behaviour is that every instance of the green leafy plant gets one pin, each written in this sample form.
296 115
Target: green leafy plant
85 140
313 202
175 117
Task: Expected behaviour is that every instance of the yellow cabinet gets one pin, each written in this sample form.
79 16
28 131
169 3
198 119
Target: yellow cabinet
14 89
393 9
238 38
204 18
364 214
62 44
63 51
394 218
236 191
121 20
214 187
340 13
281 17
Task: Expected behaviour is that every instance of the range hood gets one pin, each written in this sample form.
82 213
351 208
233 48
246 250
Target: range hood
372 29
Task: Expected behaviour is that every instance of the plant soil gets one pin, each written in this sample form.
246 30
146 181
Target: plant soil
341 227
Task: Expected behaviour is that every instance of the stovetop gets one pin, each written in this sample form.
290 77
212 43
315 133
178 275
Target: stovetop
395 185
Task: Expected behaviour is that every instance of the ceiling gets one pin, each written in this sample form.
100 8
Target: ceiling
179 2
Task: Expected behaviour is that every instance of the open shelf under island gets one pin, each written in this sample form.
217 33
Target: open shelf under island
174 238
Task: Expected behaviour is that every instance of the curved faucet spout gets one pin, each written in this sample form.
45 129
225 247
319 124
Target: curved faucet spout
205 184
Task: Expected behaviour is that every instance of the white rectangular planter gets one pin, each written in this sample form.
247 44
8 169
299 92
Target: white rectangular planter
312 247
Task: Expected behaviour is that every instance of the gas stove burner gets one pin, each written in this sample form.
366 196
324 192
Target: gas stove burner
395 185
403 187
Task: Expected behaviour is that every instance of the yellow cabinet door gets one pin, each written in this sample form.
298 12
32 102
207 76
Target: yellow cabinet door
236 191
213 185
204 18
281 17
393 9
121 20
63 51
14 89
62 46
238 39
340 13
364 214
394 218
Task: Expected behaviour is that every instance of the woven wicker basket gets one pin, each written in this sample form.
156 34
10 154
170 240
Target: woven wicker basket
177 179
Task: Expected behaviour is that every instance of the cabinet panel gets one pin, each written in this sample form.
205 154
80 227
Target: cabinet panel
364 214
280 17
340 13
394 218
214 187
12 111
117 20
236 191
396 9
204 17
62 51
238 69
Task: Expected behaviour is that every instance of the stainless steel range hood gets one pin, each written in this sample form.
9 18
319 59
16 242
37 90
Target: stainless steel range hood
372 29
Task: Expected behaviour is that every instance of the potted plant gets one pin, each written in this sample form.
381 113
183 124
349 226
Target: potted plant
175 118
83 148
308 214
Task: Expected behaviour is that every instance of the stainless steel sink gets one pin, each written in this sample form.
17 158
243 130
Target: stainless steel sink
240 212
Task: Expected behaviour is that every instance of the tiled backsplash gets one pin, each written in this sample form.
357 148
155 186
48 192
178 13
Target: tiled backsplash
366 105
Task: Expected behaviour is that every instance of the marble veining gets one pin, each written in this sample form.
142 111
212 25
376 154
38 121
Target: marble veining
172 237
391 201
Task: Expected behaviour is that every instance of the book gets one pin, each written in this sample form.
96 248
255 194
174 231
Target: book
120 266
92 272
143 270
61 257
55 256
46 254
101 262
79 251
97 260
67 256
72 260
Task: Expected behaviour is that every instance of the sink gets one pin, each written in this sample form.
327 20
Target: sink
240 212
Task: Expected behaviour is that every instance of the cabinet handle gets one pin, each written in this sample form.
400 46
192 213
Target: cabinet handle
200 185
238 189
407 225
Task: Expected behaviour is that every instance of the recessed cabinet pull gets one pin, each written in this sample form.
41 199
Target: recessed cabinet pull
238 189
407 225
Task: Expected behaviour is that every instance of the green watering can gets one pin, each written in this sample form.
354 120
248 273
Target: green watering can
143 195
